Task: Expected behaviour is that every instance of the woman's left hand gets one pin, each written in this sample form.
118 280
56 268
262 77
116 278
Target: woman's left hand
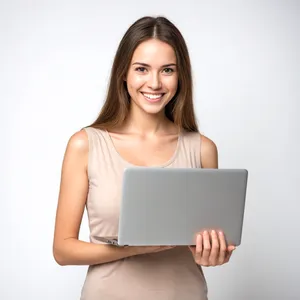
211 249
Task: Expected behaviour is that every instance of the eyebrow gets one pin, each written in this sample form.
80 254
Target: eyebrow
146 65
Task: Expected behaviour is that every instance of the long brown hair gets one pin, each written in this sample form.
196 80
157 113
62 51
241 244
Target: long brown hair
180 109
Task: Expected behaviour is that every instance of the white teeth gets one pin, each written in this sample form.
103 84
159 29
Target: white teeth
151 96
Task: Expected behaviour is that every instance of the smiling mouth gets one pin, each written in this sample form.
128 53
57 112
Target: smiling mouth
153 97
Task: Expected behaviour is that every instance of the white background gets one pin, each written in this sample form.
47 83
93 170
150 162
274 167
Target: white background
55 59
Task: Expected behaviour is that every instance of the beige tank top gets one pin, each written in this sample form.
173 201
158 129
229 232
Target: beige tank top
166 275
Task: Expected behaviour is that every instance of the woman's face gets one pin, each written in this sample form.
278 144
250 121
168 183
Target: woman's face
152 77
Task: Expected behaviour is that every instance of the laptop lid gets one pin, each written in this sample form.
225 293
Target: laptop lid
168 206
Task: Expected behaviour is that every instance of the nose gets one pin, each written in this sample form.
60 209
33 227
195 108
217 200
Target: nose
154 82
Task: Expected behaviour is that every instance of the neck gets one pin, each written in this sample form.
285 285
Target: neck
146 124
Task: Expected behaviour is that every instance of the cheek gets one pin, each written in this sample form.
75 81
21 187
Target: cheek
172 84
135 82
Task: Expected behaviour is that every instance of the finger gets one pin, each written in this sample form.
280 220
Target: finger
198 249
231 248
228 256
206 248
223 248
214 254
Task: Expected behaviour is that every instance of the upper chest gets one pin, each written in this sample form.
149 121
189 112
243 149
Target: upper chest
145 151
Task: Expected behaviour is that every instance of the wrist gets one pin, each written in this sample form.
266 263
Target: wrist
130 250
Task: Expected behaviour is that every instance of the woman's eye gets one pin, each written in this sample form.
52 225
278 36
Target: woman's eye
168 70
140 69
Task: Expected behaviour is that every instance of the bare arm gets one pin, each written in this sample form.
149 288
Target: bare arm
209 153
67 249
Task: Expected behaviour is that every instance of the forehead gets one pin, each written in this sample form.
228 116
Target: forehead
154 52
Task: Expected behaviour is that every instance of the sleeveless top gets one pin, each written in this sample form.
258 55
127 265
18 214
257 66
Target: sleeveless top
167 275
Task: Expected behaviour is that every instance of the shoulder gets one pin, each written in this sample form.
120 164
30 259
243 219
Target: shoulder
208 153
78 145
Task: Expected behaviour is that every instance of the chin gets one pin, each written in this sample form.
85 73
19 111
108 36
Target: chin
152 109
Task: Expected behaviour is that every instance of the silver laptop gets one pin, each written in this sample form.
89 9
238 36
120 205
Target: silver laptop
169 206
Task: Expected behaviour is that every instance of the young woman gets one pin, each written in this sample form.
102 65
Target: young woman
147 120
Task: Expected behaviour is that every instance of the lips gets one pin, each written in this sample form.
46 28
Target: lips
153 97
